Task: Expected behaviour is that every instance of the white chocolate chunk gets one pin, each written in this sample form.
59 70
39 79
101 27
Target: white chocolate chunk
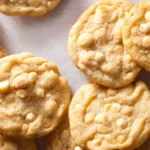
50 105
147 16
115 107
78 148
144 28
30 117
99 57
100 118
146 42
4 85
78 107
85 40
121 123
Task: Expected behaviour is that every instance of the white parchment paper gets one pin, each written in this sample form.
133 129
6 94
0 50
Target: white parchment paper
47 37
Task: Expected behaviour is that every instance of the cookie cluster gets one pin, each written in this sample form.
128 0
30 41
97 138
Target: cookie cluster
110 43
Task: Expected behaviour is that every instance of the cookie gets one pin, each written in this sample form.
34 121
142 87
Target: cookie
145 146
136 34
3 52
27 7
7 143
33 96
60 138
95 44
108 119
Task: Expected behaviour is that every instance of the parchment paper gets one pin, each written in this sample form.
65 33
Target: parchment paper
47 37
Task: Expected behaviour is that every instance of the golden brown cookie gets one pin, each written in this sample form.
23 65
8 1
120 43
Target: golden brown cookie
7 143
95 44
27 7
109 119
136 34
33 96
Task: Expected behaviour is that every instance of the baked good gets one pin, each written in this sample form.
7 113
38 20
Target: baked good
107 119
33 96
95 44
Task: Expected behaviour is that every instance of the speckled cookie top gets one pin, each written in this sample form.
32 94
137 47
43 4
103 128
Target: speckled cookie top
95 44
103 118
33 95
136 34
7 143
27 7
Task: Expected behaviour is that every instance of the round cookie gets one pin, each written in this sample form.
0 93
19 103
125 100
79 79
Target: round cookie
95 44
136 34
7 143
27 7
60 138
108 119
33 96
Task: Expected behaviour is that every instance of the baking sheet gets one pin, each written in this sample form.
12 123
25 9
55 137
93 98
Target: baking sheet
47 37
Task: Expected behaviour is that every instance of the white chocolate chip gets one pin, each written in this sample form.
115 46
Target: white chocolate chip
121 123
85 40
147 16
89 118
144 28
146 42
30 117
99 57
78 107
78 148
51 106
115 108
4 85
100 118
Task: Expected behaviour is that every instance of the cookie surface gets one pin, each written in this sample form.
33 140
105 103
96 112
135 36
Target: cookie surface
33 96
136 34
60 138
95 44
107 119
7 143
27 7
